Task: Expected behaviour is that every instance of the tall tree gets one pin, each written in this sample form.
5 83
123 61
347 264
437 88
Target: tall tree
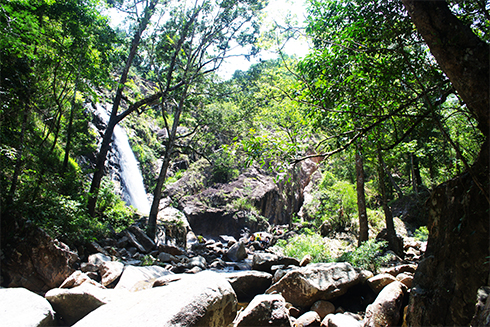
456 263
115 118
202 37
361 198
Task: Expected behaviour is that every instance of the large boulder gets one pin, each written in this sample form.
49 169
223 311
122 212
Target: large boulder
321 281
139 239
265 310
20 307
378 282
110 271
340 320
386 309
248 283
75 303
203 299
132 276
264 261
36 261
172 228
237 252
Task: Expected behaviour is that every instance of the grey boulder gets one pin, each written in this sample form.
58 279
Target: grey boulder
203 299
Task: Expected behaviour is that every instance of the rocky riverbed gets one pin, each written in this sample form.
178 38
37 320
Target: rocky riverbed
221 281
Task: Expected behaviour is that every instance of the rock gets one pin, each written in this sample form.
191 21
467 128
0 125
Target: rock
378 282
77 279
172 228
248 284
386 309
139 239
340 320
170 249
96 247
97 259
75 303
203 299
264 261
482 308
394 271
167 257
165 280
265 310
197 261
88 267
406 279
110 271
237 252
321 281
305 261
323 308
132 275
310 318
20 307
35 261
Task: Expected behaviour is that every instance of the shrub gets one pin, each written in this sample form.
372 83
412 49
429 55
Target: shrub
223 167
367 256
422 234
301 245
112 209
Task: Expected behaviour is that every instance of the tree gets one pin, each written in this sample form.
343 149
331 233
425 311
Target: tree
115 118
456 263
361 198
193 45
40 51
367 77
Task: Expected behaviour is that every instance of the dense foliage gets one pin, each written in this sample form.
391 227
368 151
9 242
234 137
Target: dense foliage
369 87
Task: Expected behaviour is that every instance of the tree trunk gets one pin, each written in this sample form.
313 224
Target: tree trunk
157 193
361 198
394 242
69 131
114 118
456 260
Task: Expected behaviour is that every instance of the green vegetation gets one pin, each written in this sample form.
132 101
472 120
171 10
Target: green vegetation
368 89
422 234
301 245
367 256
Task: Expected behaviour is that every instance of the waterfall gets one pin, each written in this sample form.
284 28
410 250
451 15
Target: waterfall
132 181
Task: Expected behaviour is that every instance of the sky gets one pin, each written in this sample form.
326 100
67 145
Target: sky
276 11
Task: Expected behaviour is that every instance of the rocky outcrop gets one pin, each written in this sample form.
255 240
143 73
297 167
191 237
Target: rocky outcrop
204 299
227 208
20 307
36 261
265 310
322 281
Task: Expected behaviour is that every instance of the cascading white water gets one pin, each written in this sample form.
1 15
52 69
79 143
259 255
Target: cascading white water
132 180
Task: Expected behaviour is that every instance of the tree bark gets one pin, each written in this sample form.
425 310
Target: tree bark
394 242
456 260
361 198
463 57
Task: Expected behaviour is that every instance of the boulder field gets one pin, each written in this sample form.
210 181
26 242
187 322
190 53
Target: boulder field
202 285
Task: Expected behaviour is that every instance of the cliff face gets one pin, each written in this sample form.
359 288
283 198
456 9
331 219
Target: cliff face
254 200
